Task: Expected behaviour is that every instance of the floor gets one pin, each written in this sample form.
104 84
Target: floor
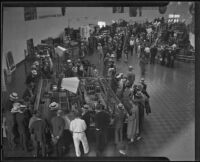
169 129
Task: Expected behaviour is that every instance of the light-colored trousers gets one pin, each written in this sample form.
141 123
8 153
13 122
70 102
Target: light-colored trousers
77 138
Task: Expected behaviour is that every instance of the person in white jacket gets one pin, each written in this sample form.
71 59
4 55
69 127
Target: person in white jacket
78 127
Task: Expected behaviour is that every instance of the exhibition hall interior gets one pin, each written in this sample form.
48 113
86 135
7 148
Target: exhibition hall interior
98 81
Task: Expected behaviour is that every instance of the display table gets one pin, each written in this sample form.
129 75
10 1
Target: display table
90 90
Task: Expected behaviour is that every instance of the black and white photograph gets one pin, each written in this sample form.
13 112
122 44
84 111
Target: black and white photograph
98 80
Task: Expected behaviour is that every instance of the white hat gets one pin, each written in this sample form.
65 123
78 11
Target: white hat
119 75
33 66
53 106
130 67
69 61
112 55
120 105
86 106
34 72
142 79
14 96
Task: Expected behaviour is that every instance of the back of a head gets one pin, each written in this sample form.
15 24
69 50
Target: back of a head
59 112
77 114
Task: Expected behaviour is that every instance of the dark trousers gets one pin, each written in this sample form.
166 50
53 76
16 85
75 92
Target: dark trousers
172 63
10 138
131 49
23 140
152 60
142 68
136 48
59 147
37 145
118 135
101 140
67 139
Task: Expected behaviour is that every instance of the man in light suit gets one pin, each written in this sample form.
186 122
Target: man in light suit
78 127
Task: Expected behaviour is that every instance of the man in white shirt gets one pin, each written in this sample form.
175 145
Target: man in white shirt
78 127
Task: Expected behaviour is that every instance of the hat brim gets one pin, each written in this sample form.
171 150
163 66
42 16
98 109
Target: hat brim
14 98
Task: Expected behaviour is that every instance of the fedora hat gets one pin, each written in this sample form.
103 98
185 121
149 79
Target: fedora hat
53 106
13 96
130 67
86 106
142 80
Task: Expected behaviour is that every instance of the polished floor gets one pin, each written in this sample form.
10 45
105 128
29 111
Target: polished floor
172 102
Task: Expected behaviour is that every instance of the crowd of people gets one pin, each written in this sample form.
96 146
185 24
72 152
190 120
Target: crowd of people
25 126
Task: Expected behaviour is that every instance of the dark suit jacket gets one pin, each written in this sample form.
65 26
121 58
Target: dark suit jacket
131 77
102 120
86 118
38 128
58 124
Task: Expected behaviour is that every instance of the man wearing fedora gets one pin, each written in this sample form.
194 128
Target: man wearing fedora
13 97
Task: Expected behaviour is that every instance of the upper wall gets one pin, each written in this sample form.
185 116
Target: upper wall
16 31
